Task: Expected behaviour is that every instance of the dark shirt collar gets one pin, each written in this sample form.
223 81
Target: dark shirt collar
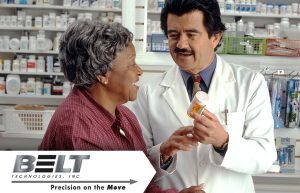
205 74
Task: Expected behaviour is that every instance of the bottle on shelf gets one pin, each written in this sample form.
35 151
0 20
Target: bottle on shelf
14 20
23 89
23 65
6 42
75 3
14 44
250 28
52 22
30 86
39 2
94 3
16 65
57 87
47 86
160 4
229 6
41 41
32 43
84 3
1 65
24 43
2 85
116 4
31 64
104 17
38 22
240 28
118 19
67 3
253 6
13 84
277 30
40 64
221 5
7 65
50 64
28 21
38 87
66 88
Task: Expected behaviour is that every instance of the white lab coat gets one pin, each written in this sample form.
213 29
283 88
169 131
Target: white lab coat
161 109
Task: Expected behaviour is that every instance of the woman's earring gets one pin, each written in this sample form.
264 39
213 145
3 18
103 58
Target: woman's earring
102 80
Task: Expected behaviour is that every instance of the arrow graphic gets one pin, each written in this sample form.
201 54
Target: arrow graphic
104 182
70 171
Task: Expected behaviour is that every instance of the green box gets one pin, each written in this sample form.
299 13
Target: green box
246 46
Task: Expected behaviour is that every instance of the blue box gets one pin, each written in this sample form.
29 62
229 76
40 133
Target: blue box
159 43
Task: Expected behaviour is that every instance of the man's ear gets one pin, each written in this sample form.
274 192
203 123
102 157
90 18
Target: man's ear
216 39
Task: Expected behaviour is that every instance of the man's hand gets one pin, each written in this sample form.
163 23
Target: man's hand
208 129
179 140
193 189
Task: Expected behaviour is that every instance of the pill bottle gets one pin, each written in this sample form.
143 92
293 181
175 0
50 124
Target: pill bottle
2 85
38 87
13 84
47 86
66 88
30 86
16 65
40 64
57 87
31 64
198 103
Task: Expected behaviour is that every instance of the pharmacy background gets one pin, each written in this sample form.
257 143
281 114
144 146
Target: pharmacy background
263 35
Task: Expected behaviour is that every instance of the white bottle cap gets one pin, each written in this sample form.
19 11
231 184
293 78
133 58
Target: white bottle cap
201 97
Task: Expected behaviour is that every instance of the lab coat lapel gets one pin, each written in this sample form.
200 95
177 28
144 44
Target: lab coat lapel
176 95
222 80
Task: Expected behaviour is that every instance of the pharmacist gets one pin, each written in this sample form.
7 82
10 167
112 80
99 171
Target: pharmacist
235 132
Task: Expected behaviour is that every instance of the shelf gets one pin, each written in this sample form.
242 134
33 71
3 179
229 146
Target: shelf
59 7
260 15
22 135
32 96
32 29
158 61
34 73
31 99
29 52
277 182
288 132
245 15
295 174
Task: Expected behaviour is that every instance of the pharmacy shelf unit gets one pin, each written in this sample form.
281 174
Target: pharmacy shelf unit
40 10
28 52
59 7
256 15
34 73
51 100
32 29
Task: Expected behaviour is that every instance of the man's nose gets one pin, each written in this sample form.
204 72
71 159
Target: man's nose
182 42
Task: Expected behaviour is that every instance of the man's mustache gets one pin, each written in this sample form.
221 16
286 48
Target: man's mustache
183 51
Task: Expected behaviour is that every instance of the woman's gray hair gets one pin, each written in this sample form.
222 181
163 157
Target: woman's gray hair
87 50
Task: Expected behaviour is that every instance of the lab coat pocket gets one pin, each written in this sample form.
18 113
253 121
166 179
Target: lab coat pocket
235 123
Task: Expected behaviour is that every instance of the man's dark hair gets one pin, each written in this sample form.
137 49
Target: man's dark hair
210 9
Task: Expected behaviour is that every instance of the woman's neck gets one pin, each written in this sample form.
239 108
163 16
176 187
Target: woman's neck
102 97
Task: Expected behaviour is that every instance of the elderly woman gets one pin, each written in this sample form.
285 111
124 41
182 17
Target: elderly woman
99 59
